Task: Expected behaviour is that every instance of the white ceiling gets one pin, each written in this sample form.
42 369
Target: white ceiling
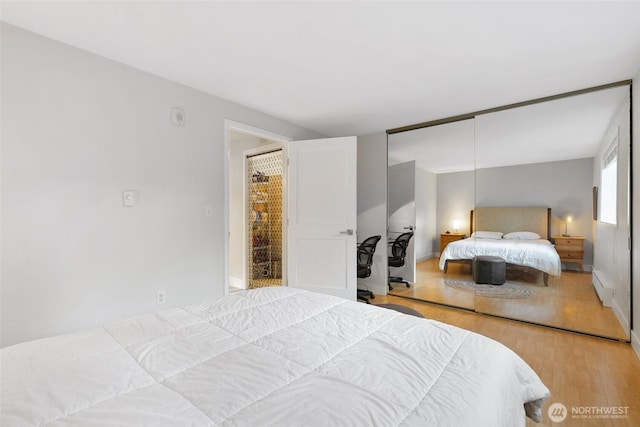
353 68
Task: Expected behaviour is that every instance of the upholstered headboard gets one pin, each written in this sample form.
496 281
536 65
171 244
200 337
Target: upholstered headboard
510 219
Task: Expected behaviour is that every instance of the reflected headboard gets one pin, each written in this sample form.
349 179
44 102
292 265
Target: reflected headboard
510 219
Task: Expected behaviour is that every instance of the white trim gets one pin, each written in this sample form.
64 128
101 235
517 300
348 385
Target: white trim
255 151
619 313
230 125
608 157
603 287
635 343
612 150
236 283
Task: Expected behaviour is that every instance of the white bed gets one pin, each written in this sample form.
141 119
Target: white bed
269 357
539 253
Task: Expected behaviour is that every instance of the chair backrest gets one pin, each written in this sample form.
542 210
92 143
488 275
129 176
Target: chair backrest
366 249
399 246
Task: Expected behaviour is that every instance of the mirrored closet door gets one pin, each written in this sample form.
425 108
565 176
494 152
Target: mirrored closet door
553 155
539 196
442 162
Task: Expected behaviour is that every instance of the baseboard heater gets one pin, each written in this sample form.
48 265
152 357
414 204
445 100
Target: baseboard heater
603 286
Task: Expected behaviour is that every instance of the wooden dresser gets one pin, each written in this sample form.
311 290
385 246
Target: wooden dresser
570 249
445 239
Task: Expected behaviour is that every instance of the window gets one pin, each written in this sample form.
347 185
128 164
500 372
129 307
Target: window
609 183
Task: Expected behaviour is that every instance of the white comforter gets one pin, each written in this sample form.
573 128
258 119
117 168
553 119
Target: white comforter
539 254
268 357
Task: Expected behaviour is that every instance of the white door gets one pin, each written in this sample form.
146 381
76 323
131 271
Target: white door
323 215
402 213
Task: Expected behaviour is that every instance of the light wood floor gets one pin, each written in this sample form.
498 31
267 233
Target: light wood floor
568 302
580 371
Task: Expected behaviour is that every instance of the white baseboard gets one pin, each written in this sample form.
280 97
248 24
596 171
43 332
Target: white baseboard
622 318
635 343
236 283
603 287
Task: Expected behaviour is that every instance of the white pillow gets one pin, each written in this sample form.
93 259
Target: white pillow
487 234
522 235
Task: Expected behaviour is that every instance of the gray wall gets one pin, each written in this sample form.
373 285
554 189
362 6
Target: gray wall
565 187
427 240
456 198
77 130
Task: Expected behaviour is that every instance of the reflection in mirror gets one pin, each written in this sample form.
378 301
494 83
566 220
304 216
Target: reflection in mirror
431 177
552 155
559 169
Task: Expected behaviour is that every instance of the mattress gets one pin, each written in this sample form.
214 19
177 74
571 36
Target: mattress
539 254
269 357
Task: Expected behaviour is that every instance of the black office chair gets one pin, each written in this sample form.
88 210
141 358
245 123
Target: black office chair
398 253
366 249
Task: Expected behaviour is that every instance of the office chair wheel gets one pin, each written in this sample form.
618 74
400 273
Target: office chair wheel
407 285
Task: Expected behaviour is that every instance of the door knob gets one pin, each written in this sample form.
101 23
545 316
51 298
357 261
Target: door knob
348 232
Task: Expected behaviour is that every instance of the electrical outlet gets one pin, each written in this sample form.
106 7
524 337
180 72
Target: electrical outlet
161 297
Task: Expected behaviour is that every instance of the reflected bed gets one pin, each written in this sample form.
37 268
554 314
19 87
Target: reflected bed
537 253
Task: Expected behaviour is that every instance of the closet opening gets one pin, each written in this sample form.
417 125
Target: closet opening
264 207
256 188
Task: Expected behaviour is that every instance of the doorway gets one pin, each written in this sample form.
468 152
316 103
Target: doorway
319 220
265 211
252 234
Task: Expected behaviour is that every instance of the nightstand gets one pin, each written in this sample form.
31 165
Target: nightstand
570 249
446 238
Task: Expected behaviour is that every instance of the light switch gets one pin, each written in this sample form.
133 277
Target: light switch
161 297
128 198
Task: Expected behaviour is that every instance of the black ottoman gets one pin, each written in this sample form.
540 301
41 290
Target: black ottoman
490 270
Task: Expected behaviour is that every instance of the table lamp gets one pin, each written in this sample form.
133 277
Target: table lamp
566 226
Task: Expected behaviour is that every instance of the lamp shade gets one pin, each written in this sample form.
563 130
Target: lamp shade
568 219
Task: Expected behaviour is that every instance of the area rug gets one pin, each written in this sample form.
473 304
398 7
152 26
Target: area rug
507 290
